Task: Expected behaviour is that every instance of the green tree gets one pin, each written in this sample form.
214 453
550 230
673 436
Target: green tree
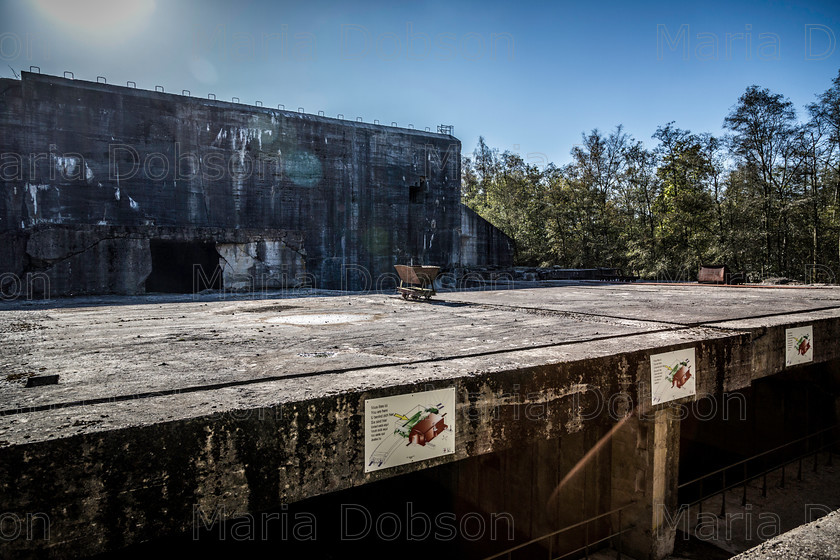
766 199
822 155
688 225
766 140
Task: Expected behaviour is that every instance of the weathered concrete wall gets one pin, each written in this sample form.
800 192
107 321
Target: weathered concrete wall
87 154
271 263
69 259
482 244
246 460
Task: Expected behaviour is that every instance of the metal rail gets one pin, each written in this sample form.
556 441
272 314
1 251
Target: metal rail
585 523
442 129
747 477
757 455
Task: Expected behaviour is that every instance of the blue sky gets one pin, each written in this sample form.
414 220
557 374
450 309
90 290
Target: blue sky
528 76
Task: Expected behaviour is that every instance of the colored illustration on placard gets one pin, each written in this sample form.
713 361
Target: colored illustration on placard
407 428
671 375
799 345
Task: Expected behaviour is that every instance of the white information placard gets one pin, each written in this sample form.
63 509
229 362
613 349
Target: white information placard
409 428
672 375
799 345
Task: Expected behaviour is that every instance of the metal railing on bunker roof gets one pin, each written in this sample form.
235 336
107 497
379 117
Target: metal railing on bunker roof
445 129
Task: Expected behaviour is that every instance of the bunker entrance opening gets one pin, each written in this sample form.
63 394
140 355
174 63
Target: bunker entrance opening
183 267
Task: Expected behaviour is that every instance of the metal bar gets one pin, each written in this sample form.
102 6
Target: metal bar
599 541
563 530
159 89
103 78
72 75
586 541
619 536
723 497
744 496
761 474
234 100
700 506
131 84
186 92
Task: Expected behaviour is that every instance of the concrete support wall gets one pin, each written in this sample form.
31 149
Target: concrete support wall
645 469
482 244
529 483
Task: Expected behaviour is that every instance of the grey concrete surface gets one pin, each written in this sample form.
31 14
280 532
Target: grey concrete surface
818 540
127 349
675 304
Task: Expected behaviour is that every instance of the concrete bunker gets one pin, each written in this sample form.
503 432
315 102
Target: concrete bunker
318 195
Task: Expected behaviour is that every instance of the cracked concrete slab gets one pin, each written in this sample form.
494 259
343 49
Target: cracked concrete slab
679 304
120 351
818 540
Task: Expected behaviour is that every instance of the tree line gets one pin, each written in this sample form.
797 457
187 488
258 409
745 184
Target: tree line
763 199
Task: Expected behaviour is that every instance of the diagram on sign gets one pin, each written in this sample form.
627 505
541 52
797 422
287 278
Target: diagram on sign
799 348
672 375
408 428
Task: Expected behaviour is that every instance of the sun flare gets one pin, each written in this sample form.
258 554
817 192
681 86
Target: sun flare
98 19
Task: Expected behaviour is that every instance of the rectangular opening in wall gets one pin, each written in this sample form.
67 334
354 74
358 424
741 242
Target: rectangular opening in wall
415 191
183 267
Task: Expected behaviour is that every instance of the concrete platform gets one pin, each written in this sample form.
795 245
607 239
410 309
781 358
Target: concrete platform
165 402
818 540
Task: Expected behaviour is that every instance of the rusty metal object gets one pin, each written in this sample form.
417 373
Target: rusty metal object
712 274
416 282
718 274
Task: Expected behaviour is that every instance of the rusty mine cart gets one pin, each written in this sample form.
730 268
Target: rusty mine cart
416 282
